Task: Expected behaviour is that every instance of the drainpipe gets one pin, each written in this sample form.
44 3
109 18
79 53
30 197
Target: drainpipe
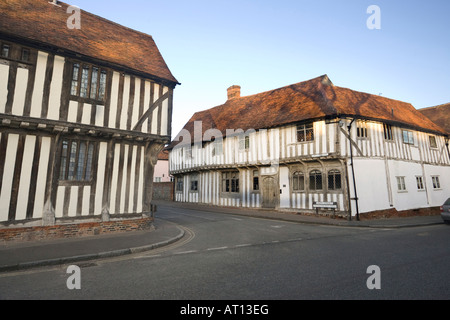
353 169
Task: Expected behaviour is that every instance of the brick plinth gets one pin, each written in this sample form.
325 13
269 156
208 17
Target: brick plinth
75 230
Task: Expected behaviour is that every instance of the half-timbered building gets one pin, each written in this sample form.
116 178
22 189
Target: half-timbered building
84 111
310 146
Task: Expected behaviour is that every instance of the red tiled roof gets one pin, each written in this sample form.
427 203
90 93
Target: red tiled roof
98 38
163 155
314 99
439 115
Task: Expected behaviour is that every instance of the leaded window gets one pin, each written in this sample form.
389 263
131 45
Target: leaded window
298 181
334 180
88 82
305 132
315 180
76 161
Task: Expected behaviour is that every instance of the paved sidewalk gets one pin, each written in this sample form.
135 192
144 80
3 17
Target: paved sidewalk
311 219
21 256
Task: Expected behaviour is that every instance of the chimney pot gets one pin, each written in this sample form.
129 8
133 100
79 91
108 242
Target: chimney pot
234 92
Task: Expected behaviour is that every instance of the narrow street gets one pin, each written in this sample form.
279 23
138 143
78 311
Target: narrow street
228 257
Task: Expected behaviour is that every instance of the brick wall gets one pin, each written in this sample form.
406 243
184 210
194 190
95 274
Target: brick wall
74 230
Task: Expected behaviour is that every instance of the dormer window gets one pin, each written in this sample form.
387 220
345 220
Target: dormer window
88 82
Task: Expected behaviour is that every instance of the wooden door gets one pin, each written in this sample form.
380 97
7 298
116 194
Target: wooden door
271 193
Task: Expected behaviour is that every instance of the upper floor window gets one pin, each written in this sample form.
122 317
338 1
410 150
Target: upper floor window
6 48
88 82
76 161
408 137
217 149
244 142
361 129
305 132
388 132
433 143
25 56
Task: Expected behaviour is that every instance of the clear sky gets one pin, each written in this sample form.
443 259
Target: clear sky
210 45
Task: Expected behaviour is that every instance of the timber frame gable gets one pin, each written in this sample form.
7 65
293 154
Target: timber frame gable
80 130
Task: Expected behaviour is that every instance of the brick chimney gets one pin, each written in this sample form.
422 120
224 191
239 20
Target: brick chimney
234 92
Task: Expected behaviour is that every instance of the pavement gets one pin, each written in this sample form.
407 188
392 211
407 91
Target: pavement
23 256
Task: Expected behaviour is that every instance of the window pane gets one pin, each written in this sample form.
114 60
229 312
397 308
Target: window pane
94 83
5 51
405 137
25 55
102 88
74 88
255 184
295 183
84 82
90 157
62 171
338 181
433 143
315 180
72 160
411 137
301 136
81 158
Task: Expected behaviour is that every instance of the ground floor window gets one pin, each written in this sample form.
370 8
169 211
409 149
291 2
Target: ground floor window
334 180
76 161
315 180
179 184
194 183
230 182
255 180
436 182
401 185
298 181
419 181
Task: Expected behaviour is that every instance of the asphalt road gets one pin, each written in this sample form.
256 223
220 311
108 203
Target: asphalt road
226 257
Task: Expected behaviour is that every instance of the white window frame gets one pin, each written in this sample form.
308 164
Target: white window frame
419 183
408 137
433 142
401 184
436 182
